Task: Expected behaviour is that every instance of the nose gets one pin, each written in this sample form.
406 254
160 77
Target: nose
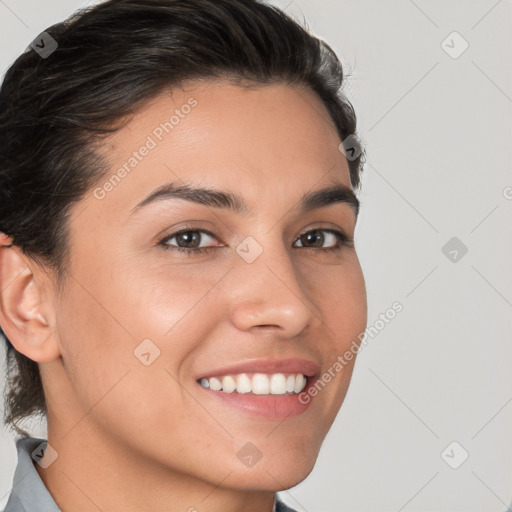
270 293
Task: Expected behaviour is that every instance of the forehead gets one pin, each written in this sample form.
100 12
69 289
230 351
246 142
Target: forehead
270 141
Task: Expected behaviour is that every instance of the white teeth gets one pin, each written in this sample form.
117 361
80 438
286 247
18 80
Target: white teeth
228 384
299 383
243 384
278 384
290 383
215 384
260 384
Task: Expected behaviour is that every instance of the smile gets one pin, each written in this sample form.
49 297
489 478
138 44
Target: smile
257 383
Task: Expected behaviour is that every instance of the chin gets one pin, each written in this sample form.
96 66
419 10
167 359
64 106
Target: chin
276 475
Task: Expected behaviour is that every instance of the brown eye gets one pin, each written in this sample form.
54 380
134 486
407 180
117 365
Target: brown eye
315 239
187 240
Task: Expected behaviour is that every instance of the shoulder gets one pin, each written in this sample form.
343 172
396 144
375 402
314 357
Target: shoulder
14 505
28 493
282 507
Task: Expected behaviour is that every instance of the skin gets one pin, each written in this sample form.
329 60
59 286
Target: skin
148 438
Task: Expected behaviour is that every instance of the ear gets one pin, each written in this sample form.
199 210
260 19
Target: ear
26 311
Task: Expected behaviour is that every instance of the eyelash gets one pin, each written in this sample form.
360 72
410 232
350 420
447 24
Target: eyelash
342 241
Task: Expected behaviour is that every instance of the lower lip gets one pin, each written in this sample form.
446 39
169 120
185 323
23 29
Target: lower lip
272 407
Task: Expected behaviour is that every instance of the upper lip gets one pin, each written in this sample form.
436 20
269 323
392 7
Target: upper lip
305 366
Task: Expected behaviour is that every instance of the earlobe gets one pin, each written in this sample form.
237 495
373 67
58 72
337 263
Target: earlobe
24 308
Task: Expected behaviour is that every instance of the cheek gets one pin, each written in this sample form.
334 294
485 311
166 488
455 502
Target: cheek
109 322
340 294
96 349
352 311
343 303
112 384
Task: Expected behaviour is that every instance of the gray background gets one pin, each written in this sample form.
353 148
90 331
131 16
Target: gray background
438 132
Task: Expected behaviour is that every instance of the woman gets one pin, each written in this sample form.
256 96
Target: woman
178 273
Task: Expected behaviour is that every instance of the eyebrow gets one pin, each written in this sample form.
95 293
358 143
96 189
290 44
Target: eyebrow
213 198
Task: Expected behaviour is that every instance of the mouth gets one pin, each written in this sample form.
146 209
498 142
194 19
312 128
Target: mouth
275 396
272 389
257 383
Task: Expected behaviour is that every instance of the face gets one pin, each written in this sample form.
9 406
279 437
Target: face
164 294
